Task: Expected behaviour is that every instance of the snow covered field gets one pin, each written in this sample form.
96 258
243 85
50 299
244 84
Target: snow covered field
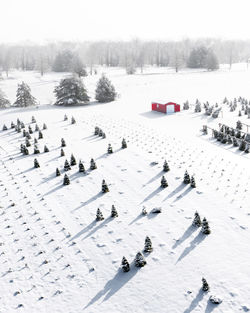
55 257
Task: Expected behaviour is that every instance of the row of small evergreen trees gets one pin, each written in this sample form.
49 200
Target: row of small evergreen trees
70 91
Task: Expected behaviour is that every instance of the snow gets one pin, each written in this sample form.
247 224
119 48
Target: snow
56 257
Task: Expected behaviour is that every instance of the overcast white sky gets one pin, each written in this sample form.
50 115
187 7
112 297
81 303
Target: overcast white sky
41 20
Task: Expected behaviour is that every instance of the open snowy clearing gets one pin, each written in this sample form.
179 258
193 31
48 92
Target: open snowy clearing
56 257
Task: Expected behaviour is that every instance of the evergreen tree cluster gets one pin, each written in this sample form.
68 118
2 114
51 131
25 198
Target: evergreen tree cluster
99 215
188 180
203 57
205 229
99 132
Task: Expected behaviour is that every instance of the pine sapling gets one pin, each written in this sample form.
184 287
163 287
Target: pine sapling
35 140
63 143
114 212
44 126
100 132
125 265
36 150
92 164
205 286
36 128
46 149
12 125
110 149
36 163
148 245
81 167
73 121
30 130
65 117
66 166
72 160
99 216
192 182
104 187
96 132
164 182
103 135
40 135
66 180
62 153
58 173
5 127
186 179
33 120
197 220
124 144
140 260
27 142
205 227
166 166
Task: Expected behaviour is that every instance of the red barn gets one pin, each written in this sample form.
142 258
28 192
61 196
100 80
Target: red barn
169 107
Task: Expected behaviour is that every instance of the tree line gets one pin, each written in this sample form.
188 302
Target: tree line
132 55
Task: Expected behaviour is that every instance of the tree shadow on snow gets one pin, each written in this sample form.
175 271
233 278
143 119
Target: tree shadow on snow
210 307
152 194
54 189
195 302
98 195
193 244
154 178
113 285
136 219
185 236
106 221
84 230
183 194
177 189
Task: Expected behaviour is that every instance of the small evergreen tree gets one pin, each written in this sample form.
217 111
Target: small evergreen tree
205 286
114 212
92 164
100 132
28 135
24 133
125 265
22 125
66 180
110 149
23 96
81 167
30 130
33 120
5 127
96 130
73 121
71 91
58 173
205 227
148 245
40 135
103 135
239 125
186 178
140 260
186 105
66 166
235 142
197 220
65 117
35 140
25 151
36 163
166 166
62 153
36 150
192 182
46 149
44 126
164 182
124 144
72 160
247 149
22 148
104 187
99 216
12 125
4 102
63 143
36 128
242 146
105 91
27 142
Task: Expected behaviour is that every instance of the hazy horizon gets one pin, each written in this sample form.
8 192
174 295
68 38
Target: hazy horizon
78 20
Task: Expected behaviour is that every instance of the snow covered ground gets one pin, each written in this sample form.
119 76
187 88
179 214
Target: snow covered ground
56 258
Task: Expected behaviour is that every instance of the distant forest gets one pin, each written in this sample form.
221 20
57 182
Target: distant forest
132 55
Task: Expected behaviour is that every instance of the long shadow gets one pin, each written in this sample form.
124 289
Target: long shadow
153 114
98 195
104 155
154 178
106 221
136 219
28 170
183 194
195 302
84 230
210 307
95 139
113 285
91 136
177 189
193 244
152 194
54 189
185 236
47 179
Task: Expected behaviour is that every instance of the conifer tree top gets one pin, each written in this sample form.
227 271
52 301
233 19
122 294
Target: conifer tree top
23 96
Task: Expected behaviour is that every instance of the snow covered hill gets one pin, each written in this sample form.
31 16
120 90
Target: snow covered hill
55 256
